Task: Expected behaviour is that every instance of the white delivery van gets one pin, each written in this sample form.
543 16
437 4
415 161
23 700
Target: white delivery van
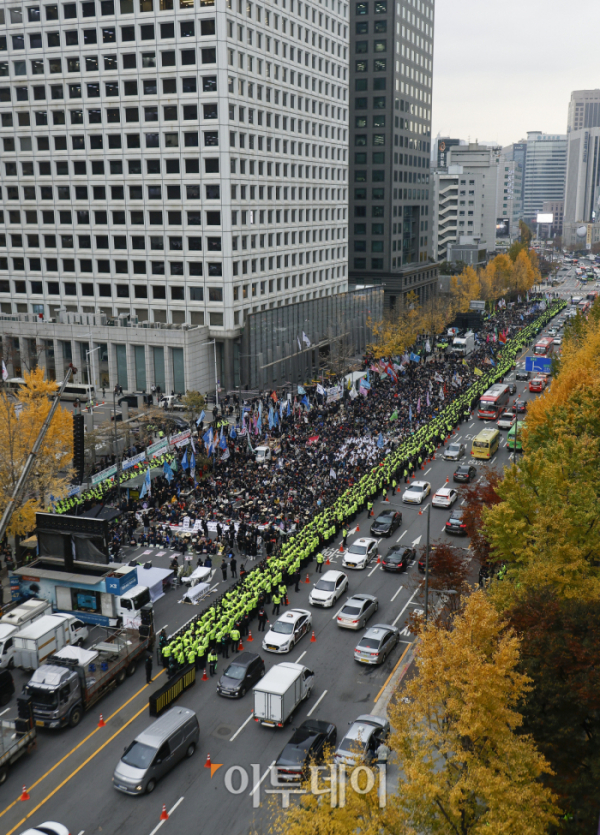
464 345
280 691
39 640
27 612
7 645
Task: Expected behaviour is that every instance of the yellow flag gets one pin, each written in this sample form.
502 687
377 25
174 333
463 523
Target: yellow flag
464 362
478 372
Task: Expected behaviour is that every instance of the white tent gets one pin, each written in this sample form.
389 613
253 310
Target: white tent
199 574
153 578
196 593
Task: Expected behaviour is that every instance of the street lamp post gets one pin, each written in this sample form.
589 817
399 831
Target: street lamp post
213 342
117 390
421 512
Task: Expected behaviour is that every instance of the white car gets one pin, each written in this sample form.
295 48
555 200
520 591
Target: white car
287 630
506 420
330 586
360 553
47 828
416 492
557 340
445 497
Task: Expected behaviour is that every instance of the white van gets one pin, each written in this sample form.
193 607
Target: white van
7 645
27 612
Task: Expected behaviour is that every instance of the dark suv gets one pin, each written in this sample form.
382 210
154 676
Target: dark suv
242 674
456 524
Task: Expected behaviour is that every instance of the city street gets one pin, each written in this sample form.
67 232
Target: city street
69 775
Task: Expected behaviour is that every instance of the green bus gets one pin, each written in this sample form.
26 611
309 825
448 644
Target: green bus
512 435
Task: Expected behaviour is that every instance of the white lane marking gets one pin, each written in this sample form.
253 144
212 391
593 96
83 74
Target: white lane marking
397 593
375 567
428 471
170 812
298 660
316 704
4 711
82 831
241 728
443 529
463 503
472 425
416 591
401 535
164 626
257 786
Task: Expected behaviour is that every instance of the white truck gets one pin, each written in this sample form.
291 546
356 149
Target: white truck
120 610
266 452
280 691
464 345
172 403
7 645
39 640
27 612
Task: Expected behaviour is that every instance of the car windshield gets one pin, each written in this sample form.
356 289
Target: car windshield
235 671
384 519
416 487
454 448
138 755
351 610
369 643
325 585
507 416
284 628
463 470
456 517
357 549
43 698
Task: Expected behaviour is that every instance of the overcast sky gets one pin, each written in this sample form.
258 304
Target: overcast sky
503 68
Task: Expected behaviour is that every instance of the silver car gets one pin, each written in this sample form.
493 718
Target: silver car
454 452
363 738
376 644
357 610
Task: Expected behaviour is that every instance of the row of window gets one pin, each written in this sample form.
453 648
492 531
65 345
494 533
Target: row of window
153 192
379 65
147 32
134 166
176 244
379 7
284 261
376 229
152 140
188 58
119 218
362 47
189 112
154 242
362 27
67 265
377 103
90 9
361 85
148 86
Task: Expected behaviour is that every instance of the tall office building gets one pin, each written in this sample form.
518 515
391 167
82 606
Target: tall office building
582 191
584 110
171 160
441 147
545 169
390 145
509 204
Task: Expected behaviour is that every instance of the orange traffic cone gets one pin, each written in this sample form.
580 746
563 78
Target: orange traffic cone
101 723
447 480
240 646
250 638
378 559
24 794
327 561
307 579
164 815
386 500
357 529
313 640
204 676
208 763
341 547
287 602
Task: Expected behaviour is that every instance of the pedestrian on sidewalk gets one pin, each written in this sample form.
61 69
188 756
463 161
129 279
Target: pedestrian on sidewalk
224 569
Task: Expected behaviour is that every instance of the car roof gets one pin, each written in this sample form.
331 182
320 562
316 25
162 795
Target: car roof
419 484
378 630
369 597
155 734
244 659
444 491
292 614
458 512
332 574
386 512
364 540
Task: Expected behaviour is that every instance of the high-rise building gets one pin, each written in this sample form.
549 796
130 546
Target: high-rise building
508 197
545 169
464 199
441 147
171 161
584 110
390 145
517 152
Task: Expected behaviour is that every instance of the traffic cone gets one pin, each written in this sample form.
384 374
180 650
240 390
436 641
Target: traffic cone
357 529
250 638
386 499
308 578
313 640
341 547
164 815
378 559
101 723
204 676
287 602
24 794
447 480
208 763
327 561
240 646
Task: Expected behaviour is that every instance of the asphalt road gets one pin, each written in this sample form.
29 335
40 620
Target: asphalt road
69 775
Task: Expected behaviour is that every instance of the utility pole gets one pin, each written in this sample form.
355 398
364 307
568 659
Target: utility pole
421 512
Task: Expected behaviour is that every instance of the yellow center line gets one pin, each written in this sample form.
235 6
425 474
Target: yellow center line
73 773
387 679
83 741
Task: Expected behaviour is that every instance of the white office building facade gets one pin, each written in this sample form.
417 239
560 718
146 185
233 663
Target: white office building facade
180 161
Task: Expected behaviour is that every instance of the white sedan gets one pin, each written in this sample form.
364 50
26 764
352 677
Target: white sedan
445 497
47 828
331 586
360 553
287 630
506 420
557 340
416 492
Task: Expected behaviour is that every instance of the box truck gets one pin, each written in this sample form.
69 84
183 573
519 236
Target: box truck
280 691
36 641
27 612
7 645
464 345
16 737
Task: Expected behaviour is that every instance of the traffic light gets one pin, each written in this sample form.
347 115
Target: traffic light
78 447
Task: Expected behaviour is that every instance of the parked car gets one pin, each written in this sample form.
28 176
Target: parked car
306 746
362 739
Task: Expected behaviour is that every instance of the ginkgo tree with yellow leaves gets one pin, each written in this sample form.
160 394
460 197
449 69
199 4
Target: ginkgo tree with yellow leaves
21 419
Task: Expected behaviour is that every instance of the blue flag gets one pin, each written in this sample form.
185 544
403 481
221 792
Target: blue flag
270 417
192 462
184 460
232 433
207 437
380 441
410 413
259 423
146 486
305 402
288 408
223 442
415 358
201 418
301 390
168 471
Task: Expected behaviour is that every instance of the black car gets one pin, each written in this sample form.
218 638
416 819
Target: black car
456 524
386 523
522 375
465 473
519 406
398 558
130 399
7 687
176 423
512 388
307 745
242 674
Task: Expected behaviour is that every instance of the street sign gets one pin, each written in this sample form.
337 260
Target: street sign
538 364
102 476
477 305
